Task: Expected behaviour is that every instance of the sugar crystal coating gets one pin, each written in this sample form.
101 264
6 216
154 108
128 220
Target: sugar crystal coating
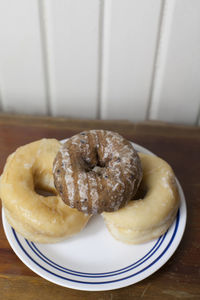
98 171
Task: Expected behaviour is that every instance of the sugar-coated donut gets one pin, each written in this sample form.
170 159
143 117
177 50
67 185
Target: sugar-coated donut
38 218
97 171
145 219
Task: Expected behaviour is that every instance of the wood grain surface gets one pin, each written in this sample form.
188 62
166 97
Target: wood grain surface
179 278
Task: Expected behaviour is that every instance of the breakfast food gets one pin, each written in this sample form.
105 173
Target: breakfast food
148 218
96 171
49 190
40 218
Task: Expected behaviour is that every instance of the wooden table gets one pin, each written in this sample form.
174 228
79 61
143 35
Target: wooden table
179 278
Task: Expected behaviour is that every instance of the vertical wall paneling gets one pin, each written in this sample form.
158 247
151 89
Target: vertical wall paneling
1 104
130 37
21 67
198 117
176 93
72 31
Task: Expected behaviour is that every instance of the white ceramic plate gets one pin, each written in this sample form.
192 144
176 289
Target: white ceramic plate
93 260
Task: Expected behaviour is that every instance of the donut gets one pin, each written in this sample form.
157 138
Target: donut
96 171
39 218
151 214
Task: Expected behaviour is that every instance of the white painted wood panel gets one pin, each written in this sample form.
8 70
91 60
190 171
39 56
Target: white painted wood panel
198 118
21 68
72 34
130 37
176 93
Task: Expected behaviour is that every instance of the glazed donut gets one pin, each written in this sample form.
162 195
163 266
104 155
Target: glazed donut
145 219
97 171
38 218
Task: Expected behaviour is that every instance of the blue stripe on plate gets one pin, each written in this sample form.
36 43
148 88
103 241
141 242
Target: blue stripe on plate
96 275
109 281
41 255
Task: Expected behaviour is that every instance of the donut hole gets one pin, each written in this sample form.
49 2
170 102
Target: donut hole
43 184
99 162
45 192
97 170
95 165
86 165
141 192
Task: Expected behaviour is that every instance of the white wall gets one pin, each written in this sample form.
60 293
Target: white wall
108 59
